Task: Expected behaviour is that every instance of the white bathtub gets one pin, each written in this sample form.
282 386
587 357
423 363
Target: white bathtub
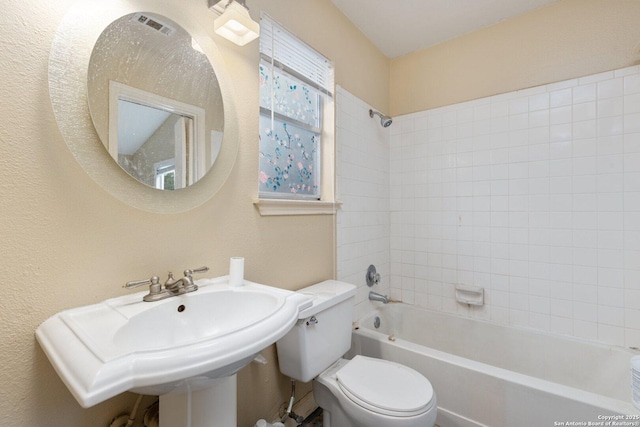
490 375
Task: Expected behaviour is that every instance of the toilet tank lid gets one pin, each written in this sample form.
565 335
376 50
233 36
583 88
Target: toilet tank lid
324 295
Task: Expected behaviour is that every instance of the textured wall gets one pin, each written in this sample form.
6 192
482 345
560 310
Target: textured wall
66 242
568 39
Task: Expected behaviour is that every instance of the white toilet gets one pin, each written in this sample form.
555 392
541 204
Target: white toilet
363 391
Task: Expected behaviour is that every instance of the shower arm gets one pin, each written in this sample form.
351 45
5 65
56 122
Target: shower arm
385 121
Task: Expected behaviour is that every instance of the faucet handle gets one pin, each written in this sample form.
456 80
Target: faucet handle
155 280
372 277
188 273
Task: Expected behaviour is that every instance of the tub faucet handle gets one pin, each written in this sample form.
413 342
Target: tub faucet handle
373 277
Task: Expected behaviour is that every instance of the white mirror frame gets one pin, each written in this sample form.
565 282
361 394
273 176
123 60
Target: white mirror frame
68 65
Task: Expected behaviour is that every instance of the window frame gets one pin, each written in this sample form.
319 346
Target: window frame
272 203
278 118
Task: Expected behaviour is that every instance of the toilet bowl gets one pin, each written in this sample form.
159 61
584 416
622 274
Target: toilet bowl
365 392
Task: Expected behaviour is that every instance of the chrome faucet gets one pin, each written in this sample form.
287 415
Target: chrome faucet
185 282
374 296
172 287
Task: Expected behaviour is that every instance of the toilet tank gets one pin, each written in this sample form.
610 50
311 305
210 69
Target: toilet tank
322 334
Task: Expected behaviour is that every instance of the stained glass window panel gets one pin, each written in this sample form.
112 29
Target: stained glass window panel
289 160
291 97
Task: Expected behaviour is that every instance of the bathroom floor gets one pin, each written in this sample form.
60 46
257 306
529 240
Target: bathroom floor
315 419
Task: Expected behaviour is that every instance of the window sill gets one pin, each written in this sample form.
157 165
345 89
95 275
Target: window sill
272 207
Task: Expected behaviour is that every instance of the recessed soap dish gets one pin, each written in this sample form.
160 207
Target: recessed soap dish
473 295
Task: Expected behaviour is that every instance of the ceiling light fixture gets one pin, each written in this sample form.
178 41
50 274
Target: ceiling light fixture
235 24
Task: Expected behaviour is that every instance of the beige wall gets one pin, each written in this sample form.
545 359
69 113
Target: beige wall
360 67
568 39
66 242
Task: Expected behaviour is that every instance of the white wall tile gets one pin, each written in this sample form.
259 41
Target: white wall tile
610 107
518 105
584 93
632 123
561 97
534 195
607 75
632 84
363 182
609 126
539 102
585 111
560 115
627 71
610 88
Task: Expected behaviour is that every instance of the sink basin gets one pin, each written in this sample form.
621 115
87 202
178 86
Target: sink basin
125 344
188 321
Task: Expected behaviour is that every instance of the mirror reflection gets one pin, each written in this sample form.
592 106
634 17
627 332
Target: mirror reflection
151 141
155 101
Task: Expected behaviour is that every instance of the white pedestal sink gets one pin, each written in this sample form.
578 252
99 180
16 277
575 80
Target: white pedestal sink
186 348
214 406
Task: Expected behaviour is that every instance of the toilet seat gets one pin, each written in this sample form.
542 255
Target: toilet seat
385 387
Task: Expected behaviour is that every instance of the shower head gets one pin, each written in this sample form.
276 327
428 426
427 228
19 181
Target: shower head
385 121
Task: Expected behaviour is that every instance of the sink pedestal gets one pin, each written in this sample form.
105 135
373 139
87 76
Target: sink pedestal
213 406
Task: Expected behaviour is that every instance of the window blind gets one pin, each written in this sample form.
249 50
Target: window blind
295 80
285 51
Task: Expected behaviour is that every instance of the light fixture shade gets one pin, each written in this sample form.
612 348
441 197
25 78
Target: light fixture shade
236 25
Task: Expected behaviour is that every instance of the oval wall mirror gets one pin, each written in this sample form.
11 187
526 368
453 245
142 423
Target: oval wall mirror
155 101
114 61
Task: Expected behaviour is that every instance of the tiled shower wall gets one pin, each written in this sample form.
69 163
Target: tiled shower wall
533 195
363 189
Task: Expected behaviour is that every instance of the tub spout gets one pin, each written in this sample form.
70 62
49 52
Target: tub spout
374 296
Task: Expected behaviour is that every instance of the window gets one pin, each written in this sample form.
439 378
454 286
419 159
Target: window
165 173
296 85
